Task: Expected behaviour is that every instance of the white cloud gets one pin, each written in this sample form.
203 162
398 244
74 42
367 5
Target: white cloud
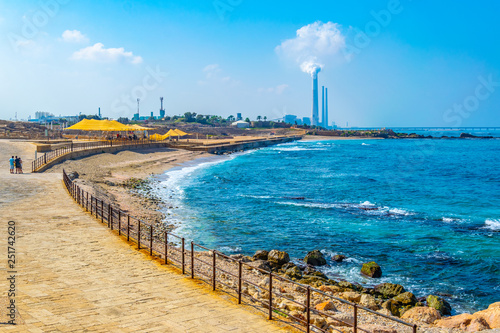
74 36
98 53
213 75
278 90
314 43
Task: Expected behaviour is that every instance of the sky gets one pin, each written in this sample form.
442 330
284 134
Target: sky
385 63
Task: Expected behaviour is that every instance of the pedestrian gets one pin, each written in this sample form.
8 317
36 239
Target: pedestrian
20 165
11 162
16 164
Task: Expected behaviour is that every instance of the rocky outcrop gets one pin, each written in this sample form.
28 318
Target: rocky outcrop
369 302
388 290
422 314
315 258
260 264
260 255
371 269
490 315
293 273
439 304
339 257
479 321
461 321
278 258
402 303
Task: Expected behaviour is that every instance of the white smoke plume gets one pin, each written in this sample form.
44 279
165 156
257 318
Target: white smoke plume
314 44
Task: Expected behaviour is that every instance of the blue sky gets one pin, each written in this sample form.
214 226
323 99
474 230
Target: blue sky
386 63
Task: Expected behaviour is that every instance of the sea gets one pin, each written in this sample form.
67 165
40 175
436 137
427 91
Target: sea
426 210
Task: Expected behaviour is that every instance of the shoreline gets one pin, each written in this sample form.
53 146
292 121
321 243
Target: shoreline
140 204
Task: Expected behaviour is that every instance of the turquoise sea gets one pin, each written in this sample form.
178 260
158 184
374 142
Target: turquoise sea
427 211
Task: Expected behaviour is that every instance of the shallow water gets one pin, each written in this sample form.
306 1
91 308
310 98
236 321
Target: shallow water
427 211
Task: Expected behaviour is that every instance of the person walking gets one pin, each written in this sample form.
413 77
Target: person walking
11 162
20 165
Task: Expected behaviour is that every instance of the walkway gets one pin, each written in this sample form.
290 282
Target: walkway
75 275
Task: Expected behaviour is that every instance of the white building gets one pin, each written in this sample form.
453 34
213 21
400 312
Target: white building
241 124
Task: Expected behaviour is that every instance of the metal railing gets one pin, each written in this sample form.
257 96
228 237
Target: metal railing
206 265
71 147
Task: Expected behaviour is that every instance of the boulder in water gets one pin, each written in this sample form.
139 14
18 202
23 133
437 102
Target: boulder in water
371 269
315 258
389 290
339 257
260 255
278 258
439 304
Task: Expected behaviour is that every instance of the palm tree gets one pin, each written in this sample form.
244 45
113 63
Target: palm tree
265 118
259 118
230 118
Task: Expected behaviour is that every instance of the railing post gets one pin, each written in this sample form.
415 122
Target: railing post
139 235
308 309
355 326
102 211
166 248
110 216
414 328
128 228
213 270
151 240
45 158
271 295
192 260
182 257
119 222
239 281
87 201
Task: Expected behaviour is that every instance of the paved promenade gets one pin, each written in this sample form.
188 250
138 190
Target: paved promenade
75 275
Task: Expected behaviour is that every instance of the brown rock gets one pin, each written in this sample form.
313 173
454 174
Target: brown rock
342 320
378 329
423 314
351 296
369 302
491 315
330 289
326 306
477 324
461 321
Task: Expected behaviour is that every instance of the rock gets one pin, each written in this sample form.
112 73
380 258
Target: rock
369 302
291 306
490 315
318 321
73 175
260 255
260 264
371 269
240 257
341 319
278 258
461 321
405 302
317 274
287 266
264 283
330 289
298 315
389 290
315 258
351 296
326 306
439 304
477 324
293 273
109 183
378 329
347 285
386 312
392 306
314 281
308 270
339 257
423 314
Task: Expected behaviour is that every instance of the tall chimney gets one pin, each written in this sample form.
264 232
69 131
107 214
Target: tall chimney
323 106
326 108
315 116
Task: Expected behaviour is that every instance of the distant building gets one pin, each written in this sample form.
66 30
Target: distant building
298 121
162 114
290 119
241 124
239 117
306 121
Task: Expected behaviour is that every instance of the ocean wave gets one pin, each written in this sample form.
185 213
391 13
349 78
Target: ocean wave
256 196
492 225
451 219
230 249
365 144
366 207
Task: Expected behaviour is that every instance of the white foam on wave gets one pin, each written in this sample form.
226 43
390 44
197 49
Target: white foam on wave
492 224
309 204
230 249
365 144
256 196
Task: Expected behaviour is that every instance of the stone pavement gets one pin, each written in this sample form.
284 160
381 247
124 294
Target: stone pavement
73 274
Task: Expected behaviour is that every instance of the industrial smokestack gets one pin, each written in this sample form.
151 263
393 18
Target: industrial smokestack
325 119
323 106
315 116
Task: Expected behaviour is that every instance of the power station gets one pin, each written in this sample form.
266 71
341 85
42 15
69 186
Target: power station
324 102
